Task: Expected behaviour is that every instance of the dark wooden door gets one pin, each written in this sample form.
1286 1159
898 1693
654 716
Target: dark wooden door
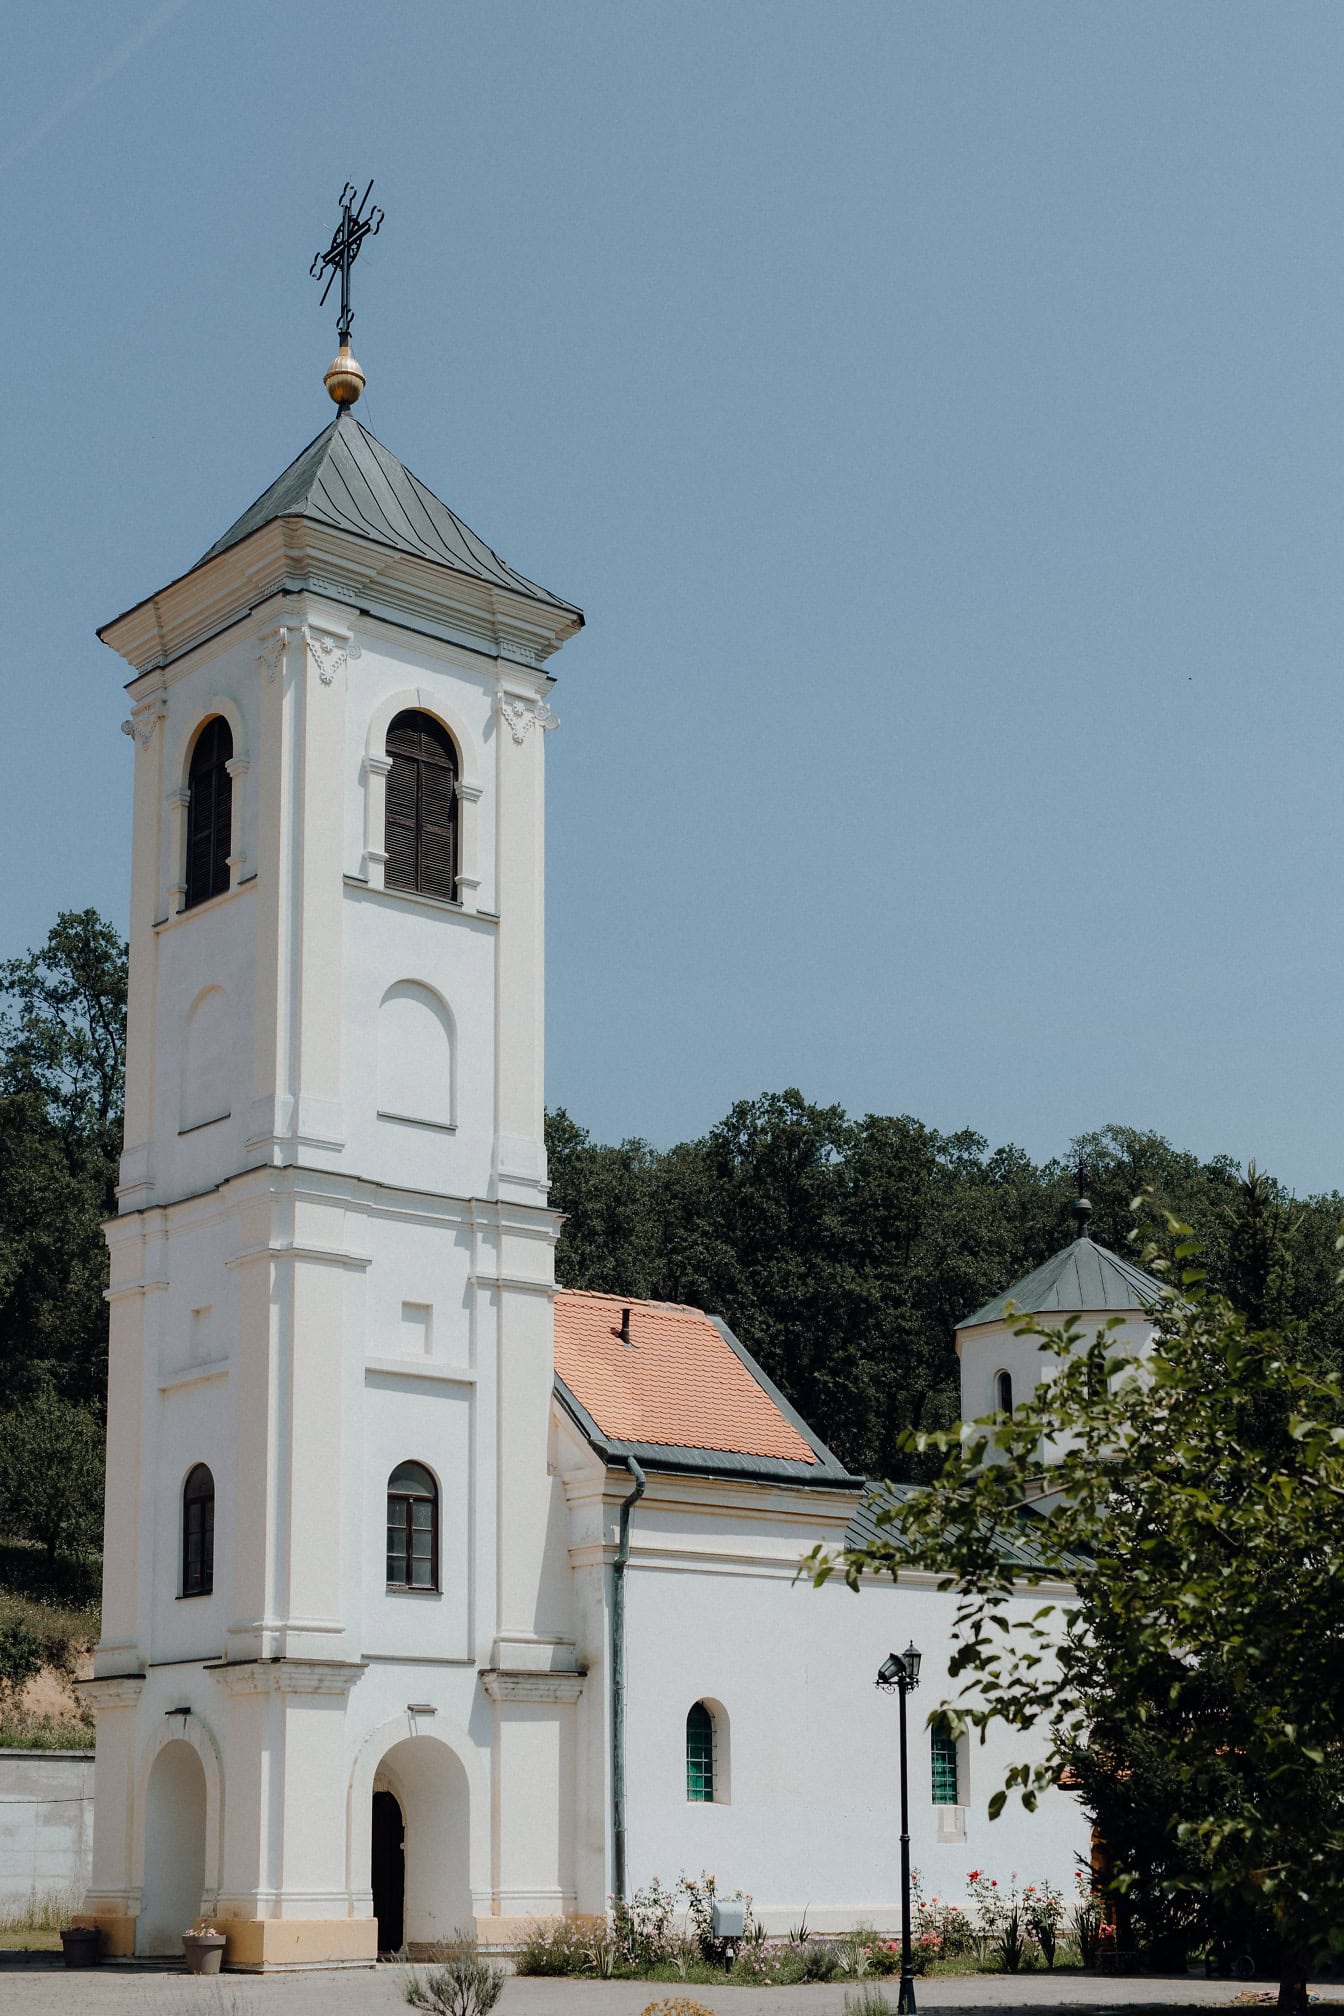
389 1872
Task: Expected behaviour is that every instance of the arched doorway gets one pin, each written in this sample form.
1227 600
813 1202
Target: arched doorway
174 1850
425 1786
388 1871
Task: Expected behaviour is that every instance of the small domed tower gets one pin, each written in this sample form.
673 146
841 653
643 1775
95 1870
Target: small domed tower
999 1369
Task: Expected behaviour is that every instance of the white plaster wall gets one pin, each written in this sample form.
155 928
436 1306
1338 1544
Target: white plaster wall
429 1421
389 938
813 1817
46 1824
992 1348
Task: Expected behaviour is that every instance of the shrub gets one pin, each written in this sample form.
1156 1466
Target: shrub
459 1983
820 1961
1085 1922
676 2005
554 1946
1011 1943
1043 1910
642 1926
22 1654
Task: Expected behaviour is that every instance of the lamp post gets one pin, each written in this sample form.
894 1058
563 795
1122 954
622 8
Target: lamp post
899 1672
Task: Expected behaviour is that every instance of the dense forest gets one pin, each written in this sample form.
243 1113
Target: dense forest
842 1251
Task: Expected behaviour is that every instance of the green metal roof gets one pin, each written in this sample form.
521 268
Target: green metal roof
1081 1279
1017 1539
347 479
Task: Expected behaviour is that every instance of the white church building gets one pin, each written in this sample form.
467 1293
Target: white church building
369 1472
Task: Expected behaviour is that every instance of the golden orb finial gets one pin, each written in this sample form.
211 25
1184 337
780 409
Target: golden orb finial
343 377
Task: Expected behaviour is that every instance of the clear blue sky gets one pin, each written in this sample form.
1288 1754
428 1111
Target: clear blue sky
937 411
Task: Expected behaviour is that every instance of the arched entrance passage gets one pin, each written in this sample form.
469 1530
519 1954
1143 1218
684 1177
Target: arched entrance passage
428 1785
174 1849
387 1870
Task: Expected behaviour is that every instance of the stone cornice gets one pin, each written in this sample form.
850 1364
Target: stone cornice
290 555
287 1676
111 1690
549 1687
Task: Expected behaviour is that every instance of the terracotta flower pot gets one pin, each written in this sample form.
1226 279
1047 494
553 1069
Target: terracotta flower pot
204 1951
79 1945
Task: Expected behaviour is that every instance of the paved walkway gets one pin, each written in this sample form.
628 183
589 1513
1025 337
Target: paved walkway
124 1991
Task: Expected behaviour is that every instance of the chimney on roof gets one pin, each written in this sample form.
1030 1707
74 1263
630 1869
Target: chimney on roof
624 1332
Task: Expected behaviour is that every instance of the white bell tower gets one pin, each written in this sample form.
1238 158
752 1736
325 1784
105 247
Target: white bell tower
326 1579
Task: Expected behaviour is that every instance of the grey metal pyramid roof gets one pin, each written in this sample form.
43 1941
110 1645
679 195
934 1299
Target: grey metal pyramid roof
1083 1277
348 480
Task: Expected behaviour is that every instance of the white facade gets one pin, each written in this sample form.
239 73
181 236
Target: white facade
334 1255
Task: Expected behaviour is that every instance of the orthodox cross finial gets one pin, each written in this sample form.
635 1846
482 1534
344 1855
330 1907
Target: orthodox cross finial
1081 1206
343 377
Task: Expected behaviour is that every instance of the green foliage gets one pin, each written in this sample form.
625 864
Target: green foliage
459 1981
51 1474
62 1057
1085 1924
1198 1505
1043 1914
844 1252
22 1655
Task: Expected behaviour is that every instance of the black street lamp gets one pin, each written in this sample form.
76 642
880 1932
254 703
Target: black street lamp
900 1671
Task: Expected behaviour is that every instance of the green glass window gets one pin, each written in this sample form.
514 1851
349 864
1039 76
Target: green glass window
700 1753
944 1750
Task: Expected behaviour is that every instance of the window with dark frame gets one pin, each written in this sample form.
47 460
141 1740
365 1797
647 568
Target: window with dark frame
700 1755
943 1753
420 839
209 813
198 1532
412 1528
1004 1392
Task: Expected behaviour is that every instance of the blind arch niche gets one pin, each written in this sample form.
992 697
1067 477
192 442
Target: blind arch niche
417 1056
206 1062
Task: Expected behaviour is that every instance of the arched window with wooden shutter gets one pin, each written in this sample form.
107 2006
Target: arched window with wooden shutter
421 837
209 812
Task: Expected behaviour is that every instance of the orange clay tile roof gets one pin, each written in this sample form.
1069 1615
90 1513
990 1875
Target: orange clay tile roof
676 1383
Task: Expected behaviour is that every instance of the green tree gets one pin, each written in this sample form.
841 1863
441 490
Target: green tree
1197 1501
51 1475
62 1059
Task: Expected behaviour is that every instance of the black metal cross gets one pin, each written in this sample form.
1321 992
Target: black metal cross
343 250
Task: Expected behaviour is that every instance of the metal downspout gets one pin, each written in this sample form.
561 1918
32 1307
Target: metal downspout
618 1680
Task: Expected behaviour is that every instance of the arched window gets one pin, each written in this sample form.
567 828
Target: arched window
1003 1392
412 1528
943 1756
209 812
700 1754
198 1532
421 835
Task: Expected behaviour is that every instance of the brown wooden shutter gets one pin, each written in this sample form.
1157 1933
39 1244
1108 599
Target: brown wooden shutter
420 837
399 838
209 813
438 831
